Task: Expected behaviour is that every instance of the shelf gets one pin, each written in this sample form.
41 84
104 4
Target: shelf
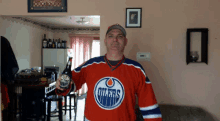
55 48
204 45
197 62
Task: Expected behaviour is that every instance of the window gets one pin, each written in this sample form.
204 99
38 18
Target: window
82 49
95 48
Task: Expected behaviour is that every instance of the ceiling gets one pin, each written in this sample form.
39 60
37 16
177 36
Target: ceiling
65 21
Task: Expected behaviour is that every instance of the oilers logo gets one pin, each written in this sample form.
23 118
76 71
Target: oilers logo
109 93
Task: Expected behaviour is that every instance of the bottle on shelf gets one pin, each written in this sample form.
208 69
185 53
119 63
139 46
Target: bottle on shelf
59 44
44 42
53 44
48 46
60 41
63 44
50 43
66 78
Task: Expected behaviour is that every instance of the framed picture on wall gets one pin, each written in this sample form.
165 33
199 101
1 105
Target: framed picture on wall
47 6
133 17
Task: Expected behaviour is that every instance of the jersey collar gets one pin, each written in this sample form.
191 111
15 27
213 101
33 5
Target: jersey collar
117 65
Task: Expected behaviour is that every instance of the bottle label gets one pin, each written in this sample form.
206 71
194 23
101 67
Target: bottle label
65 81
45 44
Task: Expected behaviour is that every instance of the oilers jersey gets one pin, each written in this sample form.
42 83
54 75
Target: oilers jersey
112 89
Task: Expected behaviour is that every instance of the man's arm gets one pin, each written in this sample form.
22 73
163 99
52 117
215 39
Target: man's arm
147 100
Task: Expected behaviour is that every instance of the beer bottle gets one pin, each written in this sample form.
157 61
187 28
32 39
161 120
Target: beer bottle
66 78
67 75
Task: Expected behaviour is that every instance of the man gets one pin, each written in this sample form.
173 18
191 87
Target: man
113 81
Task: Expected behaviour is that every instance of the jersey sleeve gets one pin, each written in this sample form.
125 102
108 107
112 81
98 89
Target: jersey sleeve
79 76
146 98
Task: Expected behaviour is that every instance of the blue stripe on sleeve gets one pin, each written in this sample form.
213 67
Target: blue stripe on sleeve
150 112
147 80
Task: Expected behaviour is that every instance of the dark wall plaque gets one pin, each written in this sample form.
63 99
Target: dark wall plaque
47 6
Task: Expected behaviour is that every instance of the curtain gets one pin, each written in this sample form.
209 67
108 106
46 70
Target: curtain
81 49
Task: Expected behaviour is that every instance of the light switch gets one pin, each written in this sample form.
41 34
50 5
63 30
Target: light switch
143 56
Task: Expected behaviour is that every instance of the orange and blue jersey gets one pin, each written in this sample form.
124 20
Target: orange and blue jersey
112 89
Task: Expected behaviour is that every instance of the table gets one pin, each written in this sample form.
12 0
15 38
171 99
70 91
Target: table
32 99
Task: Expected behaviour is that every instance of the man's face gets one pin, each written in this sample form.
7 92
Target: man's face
115 41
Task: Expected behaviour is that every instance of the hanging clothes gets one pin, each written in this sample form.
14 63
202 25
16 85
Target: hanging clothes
9 67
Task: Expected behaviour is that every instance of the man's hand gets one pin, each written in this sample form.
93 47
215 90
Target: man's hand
58 83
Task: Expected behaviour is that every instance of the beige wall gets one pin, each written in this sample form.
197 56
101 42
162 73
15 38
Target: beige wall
25 40
163 31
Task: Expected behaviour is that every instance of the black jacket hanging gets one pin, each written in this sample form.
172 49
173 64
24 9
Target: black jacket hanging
9 65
